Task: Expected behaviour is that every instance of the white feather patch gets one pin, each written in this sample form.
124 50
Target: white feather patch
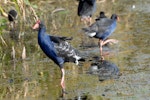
77 57
91 34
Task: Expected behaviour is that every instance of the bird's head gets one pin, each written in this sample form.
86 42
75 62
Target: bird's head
115 17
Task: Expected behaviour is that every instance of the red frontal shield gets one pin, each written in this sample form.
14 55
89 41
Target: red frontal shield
36 26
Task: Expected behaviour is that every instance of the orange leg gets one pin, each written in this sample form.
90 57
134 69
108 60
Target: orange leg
110 41
101 43
63 79
101 49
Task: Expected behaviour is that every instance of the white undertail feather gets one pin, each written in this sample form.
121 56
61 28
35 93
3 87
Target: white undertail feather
77 58
90 34
77 62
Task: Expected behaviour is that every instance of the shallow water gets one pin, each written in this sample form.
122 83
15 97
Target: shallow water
38 77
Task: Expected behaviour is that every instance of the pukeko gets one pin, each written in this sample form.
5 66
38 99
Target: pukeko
102 29
86 8
12 16
56 48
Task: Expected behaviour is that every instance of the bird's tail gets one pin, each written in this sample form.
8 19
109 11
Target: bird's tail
85 29
78 59
82 59
66 38
89 32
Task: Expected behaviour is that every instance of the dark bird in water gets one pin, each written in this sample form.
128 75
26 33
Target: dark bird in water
105 70
102 29
57 49
86 8
12 16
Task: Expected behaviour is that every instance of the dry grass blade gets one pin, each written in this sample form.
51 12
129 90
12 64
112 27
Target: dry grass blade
57 10
24 53
13 53
3 41
22 8
54 11
3 13
34 13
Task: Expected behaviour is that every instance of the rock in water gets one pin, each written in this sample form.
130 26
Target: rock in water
105 70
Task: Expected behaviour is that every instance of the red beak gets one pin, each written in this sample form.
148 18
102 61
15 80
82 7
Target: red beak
118 19
36 26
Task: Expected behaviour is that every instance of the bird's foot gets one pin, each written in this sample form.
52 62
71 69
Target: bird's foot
110 41
102 58
64 91
113 41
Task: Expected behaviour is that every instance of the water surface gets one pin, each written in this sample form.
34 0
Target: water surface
38 77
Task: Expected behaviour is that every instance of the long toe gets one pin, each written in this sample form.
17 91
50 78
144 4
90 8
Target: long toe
102 58
114 41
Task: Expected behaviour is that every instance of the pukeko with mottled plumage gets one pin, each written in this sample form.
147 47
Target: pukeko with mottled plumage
102 29
86 8
56 48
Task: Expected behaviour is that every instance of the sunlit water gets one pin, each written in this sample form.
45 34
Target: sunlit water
38 77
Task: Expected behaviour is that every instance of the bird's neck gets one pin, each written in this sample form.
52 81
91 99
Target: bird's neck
42 30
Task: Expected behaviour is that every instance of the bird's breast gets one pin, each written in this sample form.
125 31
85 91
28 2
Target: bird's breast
44 41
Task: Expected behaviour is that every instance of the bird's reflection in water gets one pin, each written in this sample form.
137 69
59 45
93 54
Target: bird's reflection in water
104 69
79 97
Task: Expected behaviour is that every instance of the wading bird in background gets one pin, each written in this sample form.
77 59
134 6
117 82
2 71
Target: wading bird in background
86 8
102 29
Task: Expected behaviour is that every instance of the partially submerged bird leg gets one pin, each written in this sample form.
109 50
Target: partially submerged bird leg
84 20
87 20
101 43
100 48
90 21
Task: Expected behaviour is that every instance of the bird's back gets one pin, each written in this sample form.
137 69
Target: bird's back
66 51
104 24
101 28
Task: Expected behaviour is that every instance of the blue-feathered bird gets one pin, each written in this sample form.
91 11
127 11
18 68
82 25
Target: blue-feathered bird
102 29
86 8
56 48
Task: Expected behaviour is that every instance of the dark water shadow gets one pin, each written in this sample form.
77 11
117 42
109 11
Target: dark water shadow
83 96
104 69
